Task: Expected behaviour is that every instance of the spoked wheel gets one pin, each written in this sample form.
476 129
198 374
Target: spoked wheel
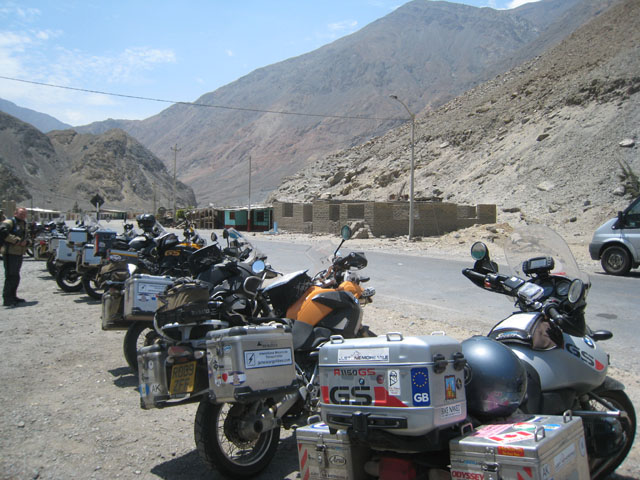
89 284
68 278
602 467
139 334
227 441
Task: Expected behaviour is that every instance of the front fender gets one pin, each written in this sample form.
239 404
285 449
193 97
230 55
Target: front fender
609 384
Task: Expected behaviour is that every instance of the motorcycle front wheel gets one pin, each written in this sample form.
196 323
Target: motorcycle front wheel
224 445
139 334
602 468
68 279
89 284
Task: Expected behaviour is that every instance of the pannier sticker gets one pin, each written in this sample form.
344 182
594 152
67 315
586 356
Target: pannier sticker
363 355
420 386
488 430
450 387
511 451
467 475
393 381
150 288
511 437
267 358
449 411
565 457
532 426
234 378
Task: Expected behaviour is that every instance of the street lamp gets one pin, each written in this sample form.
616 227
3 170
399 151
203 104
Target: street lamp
413 128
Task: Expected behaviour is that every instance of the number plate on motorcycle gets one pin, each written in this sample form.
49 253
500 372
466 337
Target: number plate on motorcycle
182 378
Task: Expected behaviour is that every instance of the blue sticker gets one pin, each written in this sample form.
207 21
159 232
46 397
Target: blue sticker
420 386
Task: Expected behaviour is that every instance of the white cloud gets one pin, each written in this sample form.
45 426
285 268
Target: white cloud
14 41
519 3
342 26
27 13
229 53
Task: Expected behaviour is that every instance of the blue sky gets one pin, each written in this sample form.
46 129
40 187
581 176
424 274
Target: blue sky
166 50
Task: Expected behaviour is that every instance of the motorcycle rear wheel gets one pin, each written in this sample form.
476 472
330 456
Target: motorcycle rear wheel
221 446
68 279
621 401
89 284
139 334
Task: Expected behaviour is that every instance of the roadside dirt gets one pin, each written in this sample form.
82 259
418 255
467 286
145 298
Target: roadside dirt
71 408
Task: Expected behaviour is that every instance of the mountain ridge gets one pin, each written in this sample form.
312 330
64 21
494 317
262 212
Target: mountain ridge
553 140
64 169
351 76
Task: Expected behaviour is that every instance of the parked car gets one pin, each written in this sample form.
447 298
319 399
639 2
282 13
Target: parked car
616 243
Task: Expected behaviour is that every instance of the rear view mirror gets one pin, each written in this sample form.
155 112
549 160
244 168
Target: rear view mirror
345 233
214 237
576 291
258 266
479 251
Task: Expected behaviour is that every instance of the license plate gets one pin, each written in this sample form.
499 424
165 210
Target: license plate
182 378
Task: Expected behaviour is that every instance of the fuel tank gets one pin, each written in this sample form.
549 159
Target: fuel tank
580 363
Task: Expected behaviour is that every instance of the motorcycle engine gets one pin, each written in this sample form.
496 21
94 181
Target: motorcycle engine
604 436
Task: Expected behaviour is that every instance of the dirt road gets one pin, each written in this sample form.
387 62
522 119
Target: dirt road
71 408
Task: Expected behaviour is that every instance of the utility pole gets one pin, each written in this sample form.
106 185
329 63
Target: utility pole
249 210
175 156
154 198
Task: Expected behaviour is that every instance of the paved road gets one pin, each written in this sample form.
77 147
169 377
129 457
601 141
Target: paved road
435 288
422 286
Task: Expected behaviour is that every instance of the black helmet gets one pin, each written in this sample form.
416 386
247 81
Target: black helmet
496 379
146 222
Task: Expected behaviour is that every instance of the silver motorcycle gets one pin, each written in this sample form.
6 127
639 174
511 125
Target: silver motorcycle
566 364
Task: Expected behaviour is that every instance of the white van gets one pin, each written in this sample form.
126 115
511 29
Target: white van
616 243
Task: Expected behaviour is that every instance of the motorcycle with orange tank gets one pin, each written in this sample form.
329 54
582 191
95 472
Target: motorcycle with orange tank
240 438
328 303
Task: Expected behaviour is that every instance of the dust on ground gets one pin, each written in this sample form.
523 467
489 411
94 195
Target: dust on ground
71 407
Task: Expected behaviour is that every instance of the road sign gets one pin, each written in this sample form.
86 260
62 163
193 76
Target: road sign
97 200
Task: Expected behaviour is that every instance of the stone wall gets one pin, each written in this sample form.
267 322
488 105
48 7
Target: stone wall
383 218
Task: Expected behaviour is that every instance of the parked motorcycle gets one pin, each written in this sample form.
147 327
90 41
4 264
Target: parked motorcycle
566 365
68 278
57 233
93 258
252 374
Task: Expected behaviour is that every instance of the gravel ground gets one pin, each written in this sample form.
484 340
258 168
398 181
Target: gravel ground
71 408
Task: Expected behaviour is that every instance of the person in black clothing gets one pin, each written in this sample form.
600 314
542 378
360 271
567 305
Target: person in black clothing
15 246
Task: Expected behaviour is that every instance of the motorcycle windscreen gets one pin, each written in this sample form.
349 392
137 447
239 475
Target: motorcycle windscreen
533 241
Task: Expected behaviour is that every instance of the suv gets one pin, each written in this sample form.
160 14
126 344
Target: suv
616 243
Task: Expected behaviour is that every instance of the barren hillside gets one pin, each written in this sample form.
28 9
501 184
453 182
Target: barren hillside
553 140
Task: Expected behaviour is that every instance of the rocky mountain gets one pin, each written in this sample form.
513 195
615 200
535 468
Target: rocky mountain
554 140
43 122
338 96
63 168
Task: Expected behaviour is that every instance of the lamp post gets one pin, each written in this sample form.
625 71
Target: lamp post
413 128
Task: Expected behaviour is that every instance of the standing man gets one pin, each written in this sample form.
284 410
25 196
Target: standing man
15 245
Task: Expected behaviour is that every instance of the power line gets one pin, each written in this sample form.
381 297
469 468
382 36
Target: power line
194 104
